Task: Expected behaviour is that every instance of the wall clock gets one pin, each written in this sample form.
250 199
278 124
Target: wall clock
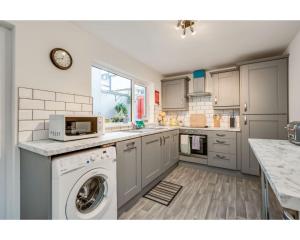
61 58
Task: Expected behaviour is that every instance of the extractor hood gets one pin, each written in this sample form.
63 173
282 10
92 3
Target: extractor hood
197 84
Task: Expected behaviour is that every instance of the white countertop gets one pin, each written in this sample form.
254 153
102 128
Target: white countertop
280 162
51 147
214 129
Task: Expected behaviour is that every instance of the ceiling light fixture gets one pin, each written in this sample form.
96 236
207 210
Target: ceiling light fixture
184 25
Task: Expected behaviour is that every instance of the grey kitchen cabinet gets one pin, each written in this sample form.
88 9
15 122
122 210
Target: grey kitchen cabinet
226 89
222 160
222 150
264 87
166 155
129 160
170 149
151 158
224 145
175 146
159 153
259 126
174 94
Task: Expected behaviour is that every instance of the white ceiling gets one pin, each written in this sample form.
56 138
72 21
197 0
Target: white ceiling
217 43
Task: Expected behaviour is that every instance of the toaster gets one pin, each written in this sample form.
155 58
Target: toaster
293 129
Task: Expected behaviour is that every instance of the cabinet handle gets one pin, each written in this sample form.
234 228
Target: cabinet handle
221 157
220 135
245 107
218 141
160 141
245 120
130 144
216 100
153 141
128 149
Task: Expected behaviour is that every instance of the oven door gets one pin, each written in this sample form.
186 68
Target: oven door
200 146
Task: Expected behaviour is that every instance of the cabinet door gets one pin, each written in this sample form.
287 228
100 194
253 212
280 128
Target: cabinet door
264 87
128 169
151 158
226 89
259 126
174 94
166 151
175 146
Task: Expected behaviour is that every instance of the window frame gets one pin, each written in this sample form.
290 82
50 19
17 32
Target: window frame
134 81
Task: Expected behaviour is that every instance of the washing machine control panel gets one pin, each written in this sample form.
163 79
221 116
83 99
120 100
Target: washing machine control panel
85 158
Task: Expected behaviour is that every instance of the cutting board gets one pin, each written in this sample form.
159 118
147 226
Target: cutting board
197 120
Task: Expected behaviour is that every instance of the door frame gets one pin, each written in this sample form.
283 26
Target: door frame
11 152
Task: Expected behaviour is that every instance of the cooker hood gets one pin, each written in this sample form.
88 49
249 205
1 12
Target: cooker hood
197 84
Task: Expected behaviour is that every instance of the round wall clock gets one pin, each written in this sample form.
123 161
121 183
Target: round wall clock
61 58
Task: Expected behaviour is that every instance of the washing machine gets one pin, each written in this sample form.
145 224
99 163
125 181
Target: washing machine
84 185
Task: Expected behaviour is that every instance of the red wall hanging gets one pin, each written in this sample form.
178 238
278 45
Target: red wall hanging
156 97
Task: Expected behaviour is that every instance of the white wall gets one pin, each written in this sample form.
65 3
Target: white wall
294 78
34 41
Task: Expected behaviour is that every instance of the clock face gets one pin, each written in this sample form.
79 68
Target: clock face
61 58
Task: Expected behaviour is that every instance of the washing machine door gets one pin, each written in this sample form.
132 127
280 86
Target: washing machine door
90 196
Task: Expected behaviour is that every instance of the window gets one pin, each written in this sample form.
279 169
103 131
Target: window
117 98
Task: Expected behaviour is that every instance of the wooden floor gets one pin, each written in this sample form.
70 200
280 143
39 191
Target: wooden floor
206 194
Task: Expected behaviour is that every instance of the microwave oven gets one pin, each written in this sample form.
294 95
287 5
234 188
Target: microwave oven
67 127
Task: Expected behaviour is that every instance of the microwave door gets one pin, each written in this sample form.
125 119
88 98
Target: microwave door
83 127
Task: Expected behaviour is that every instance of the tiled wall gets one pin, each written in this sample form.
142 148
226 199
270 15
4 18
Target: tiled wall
36 105
202 105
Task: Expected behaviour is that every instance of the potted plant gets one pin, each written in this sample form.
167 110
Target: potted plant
122 112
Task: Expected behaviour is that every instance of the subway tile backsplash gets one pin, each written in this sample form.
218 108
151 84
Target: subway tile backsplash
35 107
202 105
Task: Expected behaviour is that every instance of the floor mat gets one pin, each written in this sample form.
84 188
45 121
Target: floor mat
164 192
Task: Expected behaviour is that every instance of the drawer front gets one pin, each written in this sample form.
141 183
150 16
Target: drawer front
222 145
193 159
223 134
222 160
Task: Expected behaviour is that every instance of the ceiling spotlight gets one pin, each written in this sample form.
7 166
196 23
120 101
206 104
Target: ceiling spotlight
184 24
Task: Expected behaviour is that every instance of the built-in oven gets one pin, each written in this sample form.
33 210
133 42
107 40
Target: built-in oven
195 143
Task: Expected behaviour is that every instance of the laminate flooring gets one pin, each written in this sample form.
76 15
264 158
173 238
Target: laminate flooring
206 194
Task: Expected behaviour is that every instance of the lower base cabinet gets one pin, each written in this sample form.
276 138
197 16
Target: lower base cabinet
222 150
259 126
151 158
222 160
159 153
174 146
129 160
140 161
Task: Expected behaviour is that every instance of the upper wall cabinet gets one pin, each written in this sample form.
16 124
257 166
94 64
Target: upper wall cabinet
174 94
226 89
264 87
